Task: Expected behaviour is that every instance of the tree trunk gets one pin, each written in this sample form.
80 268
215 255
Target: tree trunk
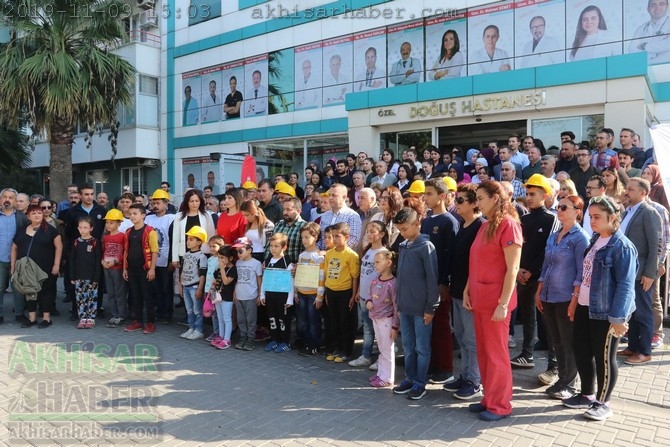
60 159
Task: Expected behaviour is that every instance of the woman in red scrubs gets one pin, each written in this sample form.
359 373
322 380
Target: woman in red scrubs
491 295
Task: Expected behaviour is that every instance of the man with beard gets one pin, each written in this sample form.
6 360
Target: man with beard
290 225
270 206
11 221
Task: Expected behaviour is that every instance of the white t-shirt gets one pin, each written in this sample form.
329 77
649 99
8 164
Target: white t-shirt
257 245
368 272
162 227
585 288
247 282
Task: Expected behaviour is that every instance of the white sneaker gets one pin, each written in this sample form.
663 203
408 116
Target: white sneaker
187 333
373 367
360 361
195 335
511 343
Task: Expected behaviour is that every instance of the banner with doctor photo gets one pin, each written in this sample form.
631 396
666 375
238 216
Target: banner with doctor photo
232 74
338 55
370 60
190 98
212 96
405 54
539 33
446 47
491 39
647 28
308 73
593 28
256 86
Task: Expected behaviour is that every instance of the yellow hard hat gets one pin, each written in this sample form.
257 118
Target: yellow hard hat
451 183
249 185
539 181
160 194
284 188
198 232
417 187
114 214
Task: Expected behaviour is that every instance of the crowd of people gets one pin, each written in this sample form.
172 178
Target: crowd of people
574 240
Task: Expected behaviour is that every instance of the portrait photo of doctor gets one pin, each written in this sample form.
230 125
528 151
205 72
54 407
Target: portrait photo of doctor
490 58
407 70
652 36
592 37
542 49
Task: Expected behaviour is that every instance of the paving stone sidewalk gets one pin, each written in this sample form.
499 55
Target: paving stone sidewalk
63 386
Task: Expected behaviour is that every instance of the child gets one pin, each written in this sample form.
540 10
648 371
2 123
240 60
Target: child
85 266
225 278
193 272
247 293
343 269
328 237
215 243
383 307
328 337
113 244
310 301
278 303
418 297
376 236
139 268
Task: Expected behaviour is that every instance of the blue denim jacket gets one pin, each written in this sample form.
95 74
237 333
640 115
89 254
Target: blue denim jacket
612 294
563 264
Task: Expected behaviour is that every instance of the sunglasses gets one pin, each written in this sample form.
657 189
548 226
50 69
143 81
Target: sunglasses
563 207
606 201
46 207
461 200
241 250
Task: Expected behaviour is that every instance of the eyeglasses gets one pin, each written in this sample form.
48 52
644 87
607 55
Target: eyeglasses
461 200
564 207
46 207
606 201
384 198
241 250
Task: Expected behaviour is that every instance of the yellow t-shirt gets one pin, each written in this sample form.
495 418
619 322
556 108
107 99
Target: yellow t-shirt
341 269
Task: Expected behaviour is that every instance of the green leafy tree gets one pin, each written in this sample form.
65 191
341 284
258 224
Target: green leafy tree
58 69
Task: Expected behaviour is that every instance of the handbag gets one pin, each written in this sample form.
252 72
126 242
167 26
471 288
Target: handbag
208 307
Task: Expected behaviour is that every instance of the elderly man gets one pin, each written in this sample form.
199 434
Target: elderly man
103 200
22 202
358 180
508 174
548 165
534 157
11 221
340 212
383 177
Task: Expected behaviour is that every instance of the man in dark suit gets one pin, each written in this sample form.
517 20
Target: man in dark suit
641 224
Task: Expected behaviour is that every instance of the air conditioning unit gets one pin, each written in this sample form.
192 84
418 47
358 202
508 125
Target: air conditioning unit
148 19
147 162
146 4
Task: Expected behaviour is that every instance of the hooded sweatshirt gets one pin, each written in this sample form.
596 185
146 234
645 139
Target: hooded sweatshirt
417 277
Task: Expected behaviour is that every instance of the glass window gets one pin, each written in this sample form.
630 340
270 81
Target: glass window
148 85
133 180
584 127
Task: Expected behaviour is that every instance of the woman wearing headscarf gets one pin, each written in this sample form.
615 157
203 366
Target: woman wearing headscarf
652 174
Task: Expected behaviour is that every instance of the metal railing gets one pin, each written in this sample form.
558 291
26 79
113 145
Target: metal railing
142 36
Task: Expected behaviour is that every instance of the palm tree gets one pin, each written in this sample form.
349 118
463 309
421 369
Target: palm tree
14 151
58 69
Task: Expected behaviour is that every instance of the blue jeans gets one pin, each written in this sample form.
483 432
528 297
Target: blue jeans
19 300
224 316
464 330
309 321
368 329
193 308
416 346
641 324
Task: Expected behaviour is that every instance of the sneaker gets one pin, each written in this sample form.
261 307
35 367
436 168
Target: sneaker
210 338
149 328
511 343
403 388
44 324
90 323
271 346
469 391
360 361
82 324
441 377
553 388
476 408
249 345
379 383
195 335
330 357
262 334
341 358
454 385
187 333
417 392
373 367
308 352
577 402
598 412
373 378
656 342
490 417
562 393
113 323
225 344
549 377
282 347
134 326
28 323
216 340
240 345
523 362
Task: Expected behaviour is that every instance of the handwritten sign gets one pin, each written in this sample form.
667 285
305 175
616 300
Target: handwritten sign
307 276
277 280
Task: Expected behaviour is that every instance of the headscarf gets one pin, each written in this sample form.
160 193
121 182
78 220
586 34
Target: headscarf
459 171
483 161
470 153
657 193
655 175
488 153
